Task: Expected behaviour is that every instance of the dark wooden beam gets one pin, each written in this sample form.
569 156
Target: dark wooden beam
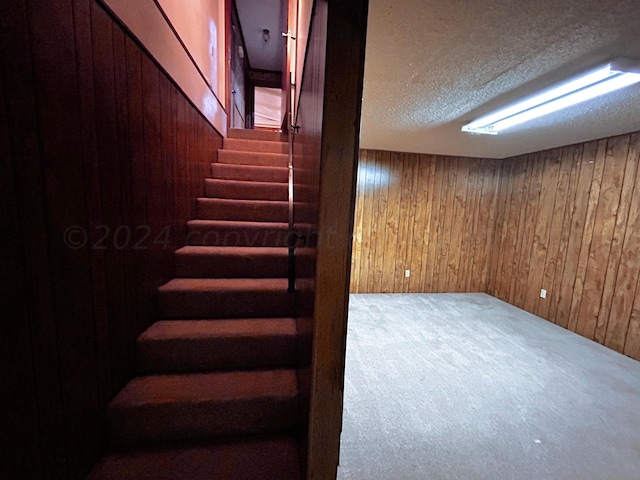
344 69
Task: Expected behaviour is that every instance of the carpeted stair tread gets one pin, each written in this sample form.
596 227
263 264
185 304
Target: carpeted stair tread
254 173
271 458
230 233
195 329
246 190
171 408
192 298
223 284
242 210
264 146
196 388
202 345
228 262
253 158
218 376
252 134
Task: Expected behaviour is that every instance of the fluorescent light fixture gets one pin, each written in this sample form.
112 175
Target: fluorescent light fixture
616 74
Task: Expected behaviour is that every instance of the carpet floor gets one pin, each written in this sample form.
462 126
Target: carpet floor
465 386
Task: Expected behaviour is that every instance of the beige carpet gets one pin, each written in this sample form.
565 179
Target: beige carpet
464 386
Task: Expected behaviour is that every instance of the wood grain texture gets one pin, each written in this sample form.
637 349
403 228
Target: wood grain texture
587 234
540 245
424 213
420 232
571 164
579 239
339 29
490 206
18 408
619 232
626 281
307 152
504 206
557 225
35 299
100 143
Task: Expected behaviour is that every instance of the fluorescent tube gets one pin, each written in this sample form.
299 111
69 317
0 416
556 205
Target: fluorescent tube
613 76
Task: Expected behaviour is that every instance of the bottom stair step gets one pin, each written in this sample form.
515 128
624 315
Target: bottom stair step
274 458
204 345
161 409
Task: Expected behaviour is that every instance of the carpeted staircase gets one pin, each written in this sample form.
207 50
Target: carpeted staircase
216 394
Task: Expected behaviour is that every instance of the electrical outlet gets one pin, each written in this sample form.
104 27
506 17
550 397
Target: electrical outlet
543 293
407 273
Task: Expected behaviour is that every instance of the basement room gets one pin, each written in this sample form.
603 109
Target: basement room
494 316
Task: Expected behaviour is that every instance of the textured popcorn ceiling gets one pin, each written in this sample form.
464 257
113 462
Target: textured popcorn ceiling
432 66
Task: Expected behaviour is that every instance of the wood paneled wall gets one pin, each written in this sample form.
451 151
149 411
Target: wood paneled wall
306 149
432 215
565 220
569 222
102 157
341 104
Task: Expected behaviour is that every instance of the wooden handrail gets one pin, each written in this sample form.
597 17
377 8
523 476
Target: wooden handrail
291 237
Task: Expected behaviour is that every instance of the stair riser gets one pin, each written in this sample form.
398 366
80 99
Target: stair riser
223 266
246 190
199 355
263 135
162 423
274 457
228 304
211 209
255 146
252 158
227 171
238 236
